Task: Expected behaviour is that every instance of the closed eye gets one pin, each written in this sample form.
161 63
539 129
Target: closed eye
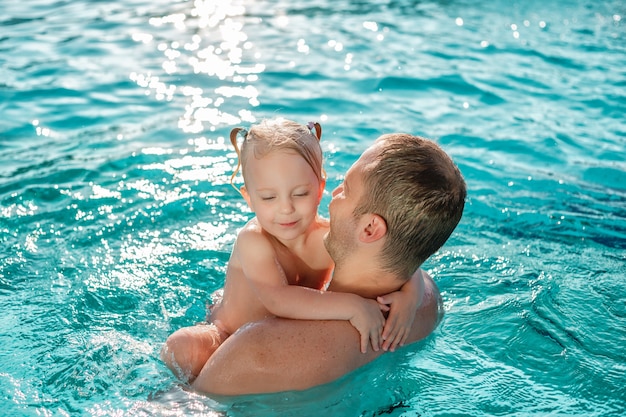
338 190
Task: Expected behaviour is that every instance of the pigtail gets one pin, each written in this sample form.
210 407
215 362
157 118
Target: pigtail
318 129
233 139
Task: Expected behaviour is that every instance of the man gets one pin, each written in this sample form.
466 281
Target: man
398 204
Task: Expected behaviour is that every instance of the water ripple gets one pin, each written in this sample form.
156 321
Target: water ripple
117 216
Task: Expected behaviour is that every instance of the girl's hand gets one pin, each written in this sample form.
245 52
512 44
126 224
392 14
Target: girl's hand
369 321
403 306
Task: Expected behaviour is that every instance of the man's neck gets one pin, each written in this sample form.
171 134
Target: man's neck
366 282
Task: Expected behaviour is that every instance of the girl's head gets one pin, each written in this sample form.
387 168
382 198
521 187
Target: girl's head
281 164
275 135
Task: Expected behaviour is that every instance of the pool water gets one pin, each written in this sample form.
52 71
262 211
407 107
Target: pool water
117 217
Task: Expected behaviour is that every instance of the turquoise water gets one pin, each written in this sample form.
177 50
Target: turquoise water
116 216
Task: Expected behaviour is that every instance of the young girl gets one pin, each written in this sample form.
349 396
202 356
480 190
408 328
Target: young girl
279 265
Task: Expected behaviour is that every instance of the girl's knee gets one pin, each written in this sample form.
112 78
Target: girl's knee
176 348
186 351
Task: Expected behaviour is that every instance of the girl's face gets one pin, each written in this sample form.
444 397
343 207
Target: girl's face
284 193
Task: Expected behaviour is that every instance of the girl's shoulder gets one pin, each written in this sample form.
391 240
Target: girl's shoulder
253 243
252 233
252 226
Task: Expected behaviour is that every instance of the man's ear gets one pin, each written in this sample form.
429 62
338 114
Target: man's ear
373 228
246 196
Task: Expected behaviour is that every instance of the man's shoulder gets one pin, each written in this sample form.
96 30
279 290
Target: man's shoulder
285 355
278 354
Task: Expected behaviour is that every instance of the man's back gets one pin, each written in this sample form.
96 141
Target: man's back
280 354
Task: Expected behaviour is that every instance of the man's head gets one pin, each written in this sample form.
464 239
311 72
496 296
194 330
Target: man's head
403 189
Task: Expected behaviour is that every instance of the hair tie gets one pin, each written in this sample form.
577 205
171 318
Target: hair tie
233 139
316 129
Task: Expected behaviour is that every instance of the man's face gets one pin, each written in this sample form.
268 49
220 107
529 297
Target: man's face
341 239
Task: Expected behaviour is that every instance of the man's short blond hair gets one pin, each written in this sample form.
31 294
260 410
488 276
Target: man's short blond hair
419 192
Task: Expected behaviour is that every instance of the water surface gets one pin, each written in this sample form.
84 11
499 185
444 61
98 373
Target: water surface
117 217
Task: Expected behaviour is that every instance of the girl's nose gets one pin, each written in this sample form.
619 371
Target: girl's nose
286 206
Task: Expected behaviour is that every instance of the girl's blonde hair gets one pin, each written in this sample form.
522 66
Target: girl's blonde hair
278 135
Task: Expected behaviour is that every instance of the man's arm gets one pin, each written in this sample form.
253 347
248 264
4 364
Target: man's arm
277 354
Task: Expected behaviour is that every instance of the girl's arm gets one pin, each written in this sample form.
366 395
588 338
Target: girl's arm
260 266
403 305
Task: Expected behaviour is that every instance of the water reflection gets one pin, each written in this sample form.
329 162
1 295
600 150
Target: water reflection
213 62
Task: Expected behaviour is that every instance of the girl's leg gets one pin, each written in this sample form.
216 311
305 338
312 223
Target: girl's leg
187 350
